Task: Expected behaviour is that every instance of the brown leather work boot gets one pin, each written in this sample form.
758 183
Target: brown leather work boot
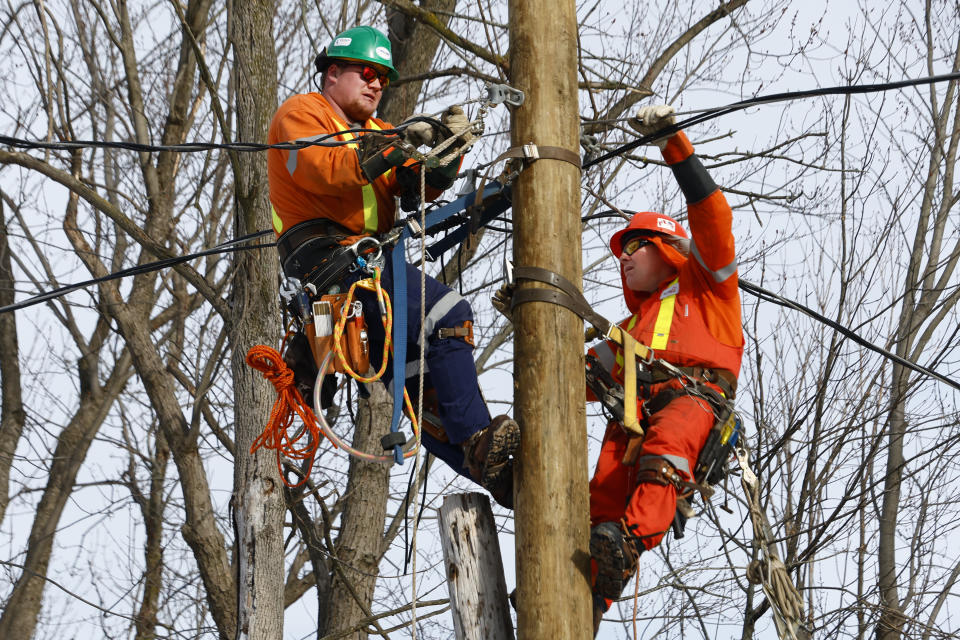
616 559
488 455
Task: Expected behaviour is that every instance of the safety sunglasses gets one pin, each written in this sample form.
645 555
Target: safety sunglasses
634 244
369 74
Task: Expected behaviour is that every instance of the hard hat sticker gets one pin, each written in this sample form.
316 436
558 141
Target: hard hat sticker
383 52
667 224
342 42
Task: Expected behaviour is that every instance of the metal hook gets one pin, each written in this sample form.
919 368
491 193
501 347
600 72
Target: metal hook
504 94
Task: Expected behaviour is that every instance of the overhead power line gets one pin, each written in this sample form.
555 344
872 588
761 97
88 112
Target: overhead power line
769 296
227 247
716 112
235 245
324 141
704 116
195 147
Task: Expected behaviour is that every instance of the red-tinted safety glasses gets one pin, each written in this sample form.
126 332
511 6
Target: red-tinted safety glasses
369 74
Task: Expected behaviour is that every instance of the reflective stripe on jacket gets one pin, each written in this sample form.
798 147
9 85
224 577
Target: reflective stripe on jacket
692 319
324 182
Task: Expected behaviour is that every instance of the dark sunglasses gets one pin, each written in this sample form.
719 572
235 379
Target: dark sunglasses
369 74
634 244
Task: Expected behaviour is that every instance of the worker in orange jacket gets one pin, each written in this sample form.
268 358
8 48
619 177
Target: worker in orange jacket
325 197
683 296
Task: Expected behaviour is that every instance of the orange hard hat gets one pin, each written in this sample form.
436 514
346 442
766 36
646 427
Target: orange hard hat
647 221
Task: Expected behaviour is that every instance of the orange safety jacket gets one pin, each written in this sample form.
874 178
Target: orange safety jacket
325 182
692 319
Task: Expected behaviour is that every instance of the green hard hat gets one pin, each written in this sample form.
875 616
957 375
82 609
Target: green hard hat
365 44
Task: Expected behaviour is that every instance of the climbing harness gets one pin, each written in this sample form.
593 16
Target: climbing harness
641 367
316 249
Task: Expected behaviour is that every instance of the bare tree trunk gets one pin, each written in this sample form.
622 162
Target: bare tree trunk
927 301
258 501
22 608
151 507
12 416
358 548
414 46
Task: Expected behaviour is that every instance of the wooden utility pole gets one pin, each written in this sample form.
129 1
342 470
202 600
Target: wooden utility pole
552 519
471 553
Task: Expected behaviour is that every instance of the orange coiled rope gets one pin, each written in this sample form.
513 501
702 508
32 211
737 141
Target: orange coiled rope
276 435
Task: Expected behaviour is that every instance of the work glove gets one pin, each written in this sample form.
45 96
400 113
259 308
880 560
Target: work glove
503 300
459 124
378 154
419 131
442 178
651 119
409 180
456 121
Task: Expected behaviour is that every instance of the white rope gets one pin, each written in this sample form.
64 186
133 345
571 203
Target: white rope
769 571
422 343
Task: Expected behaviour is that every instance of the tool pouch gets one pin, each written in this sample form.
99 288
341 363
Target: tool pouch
711 465
354 342
358 344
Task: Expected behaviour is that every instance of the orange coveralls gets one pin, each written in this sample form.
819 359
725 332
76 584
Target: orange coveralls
692 320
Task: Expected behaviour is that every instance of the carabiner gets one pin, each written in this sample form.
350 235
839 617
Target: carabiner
356 248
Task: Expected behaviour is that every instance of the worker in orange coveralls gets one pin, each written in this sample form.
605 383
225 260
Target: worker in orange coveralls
685 303
325 197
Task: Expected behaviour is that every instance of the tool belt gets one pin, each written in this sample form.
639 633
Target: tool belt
311 252
725 380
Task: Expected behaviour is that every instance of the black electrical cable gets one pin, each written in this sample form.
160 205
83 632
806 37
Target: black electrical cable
407 547
716 112
749 287
143 268
769 296
190 147
320 141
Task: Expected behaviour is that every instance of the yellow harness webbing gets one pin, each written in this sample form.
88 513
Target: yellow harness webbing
631 349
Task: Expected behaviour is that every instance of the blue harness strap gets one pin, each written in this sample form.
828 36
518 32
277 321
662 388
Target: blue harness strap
398 263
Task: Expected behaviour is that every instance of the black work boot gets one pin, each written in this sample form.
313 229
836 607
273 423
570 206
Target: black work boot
615 557
488 455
